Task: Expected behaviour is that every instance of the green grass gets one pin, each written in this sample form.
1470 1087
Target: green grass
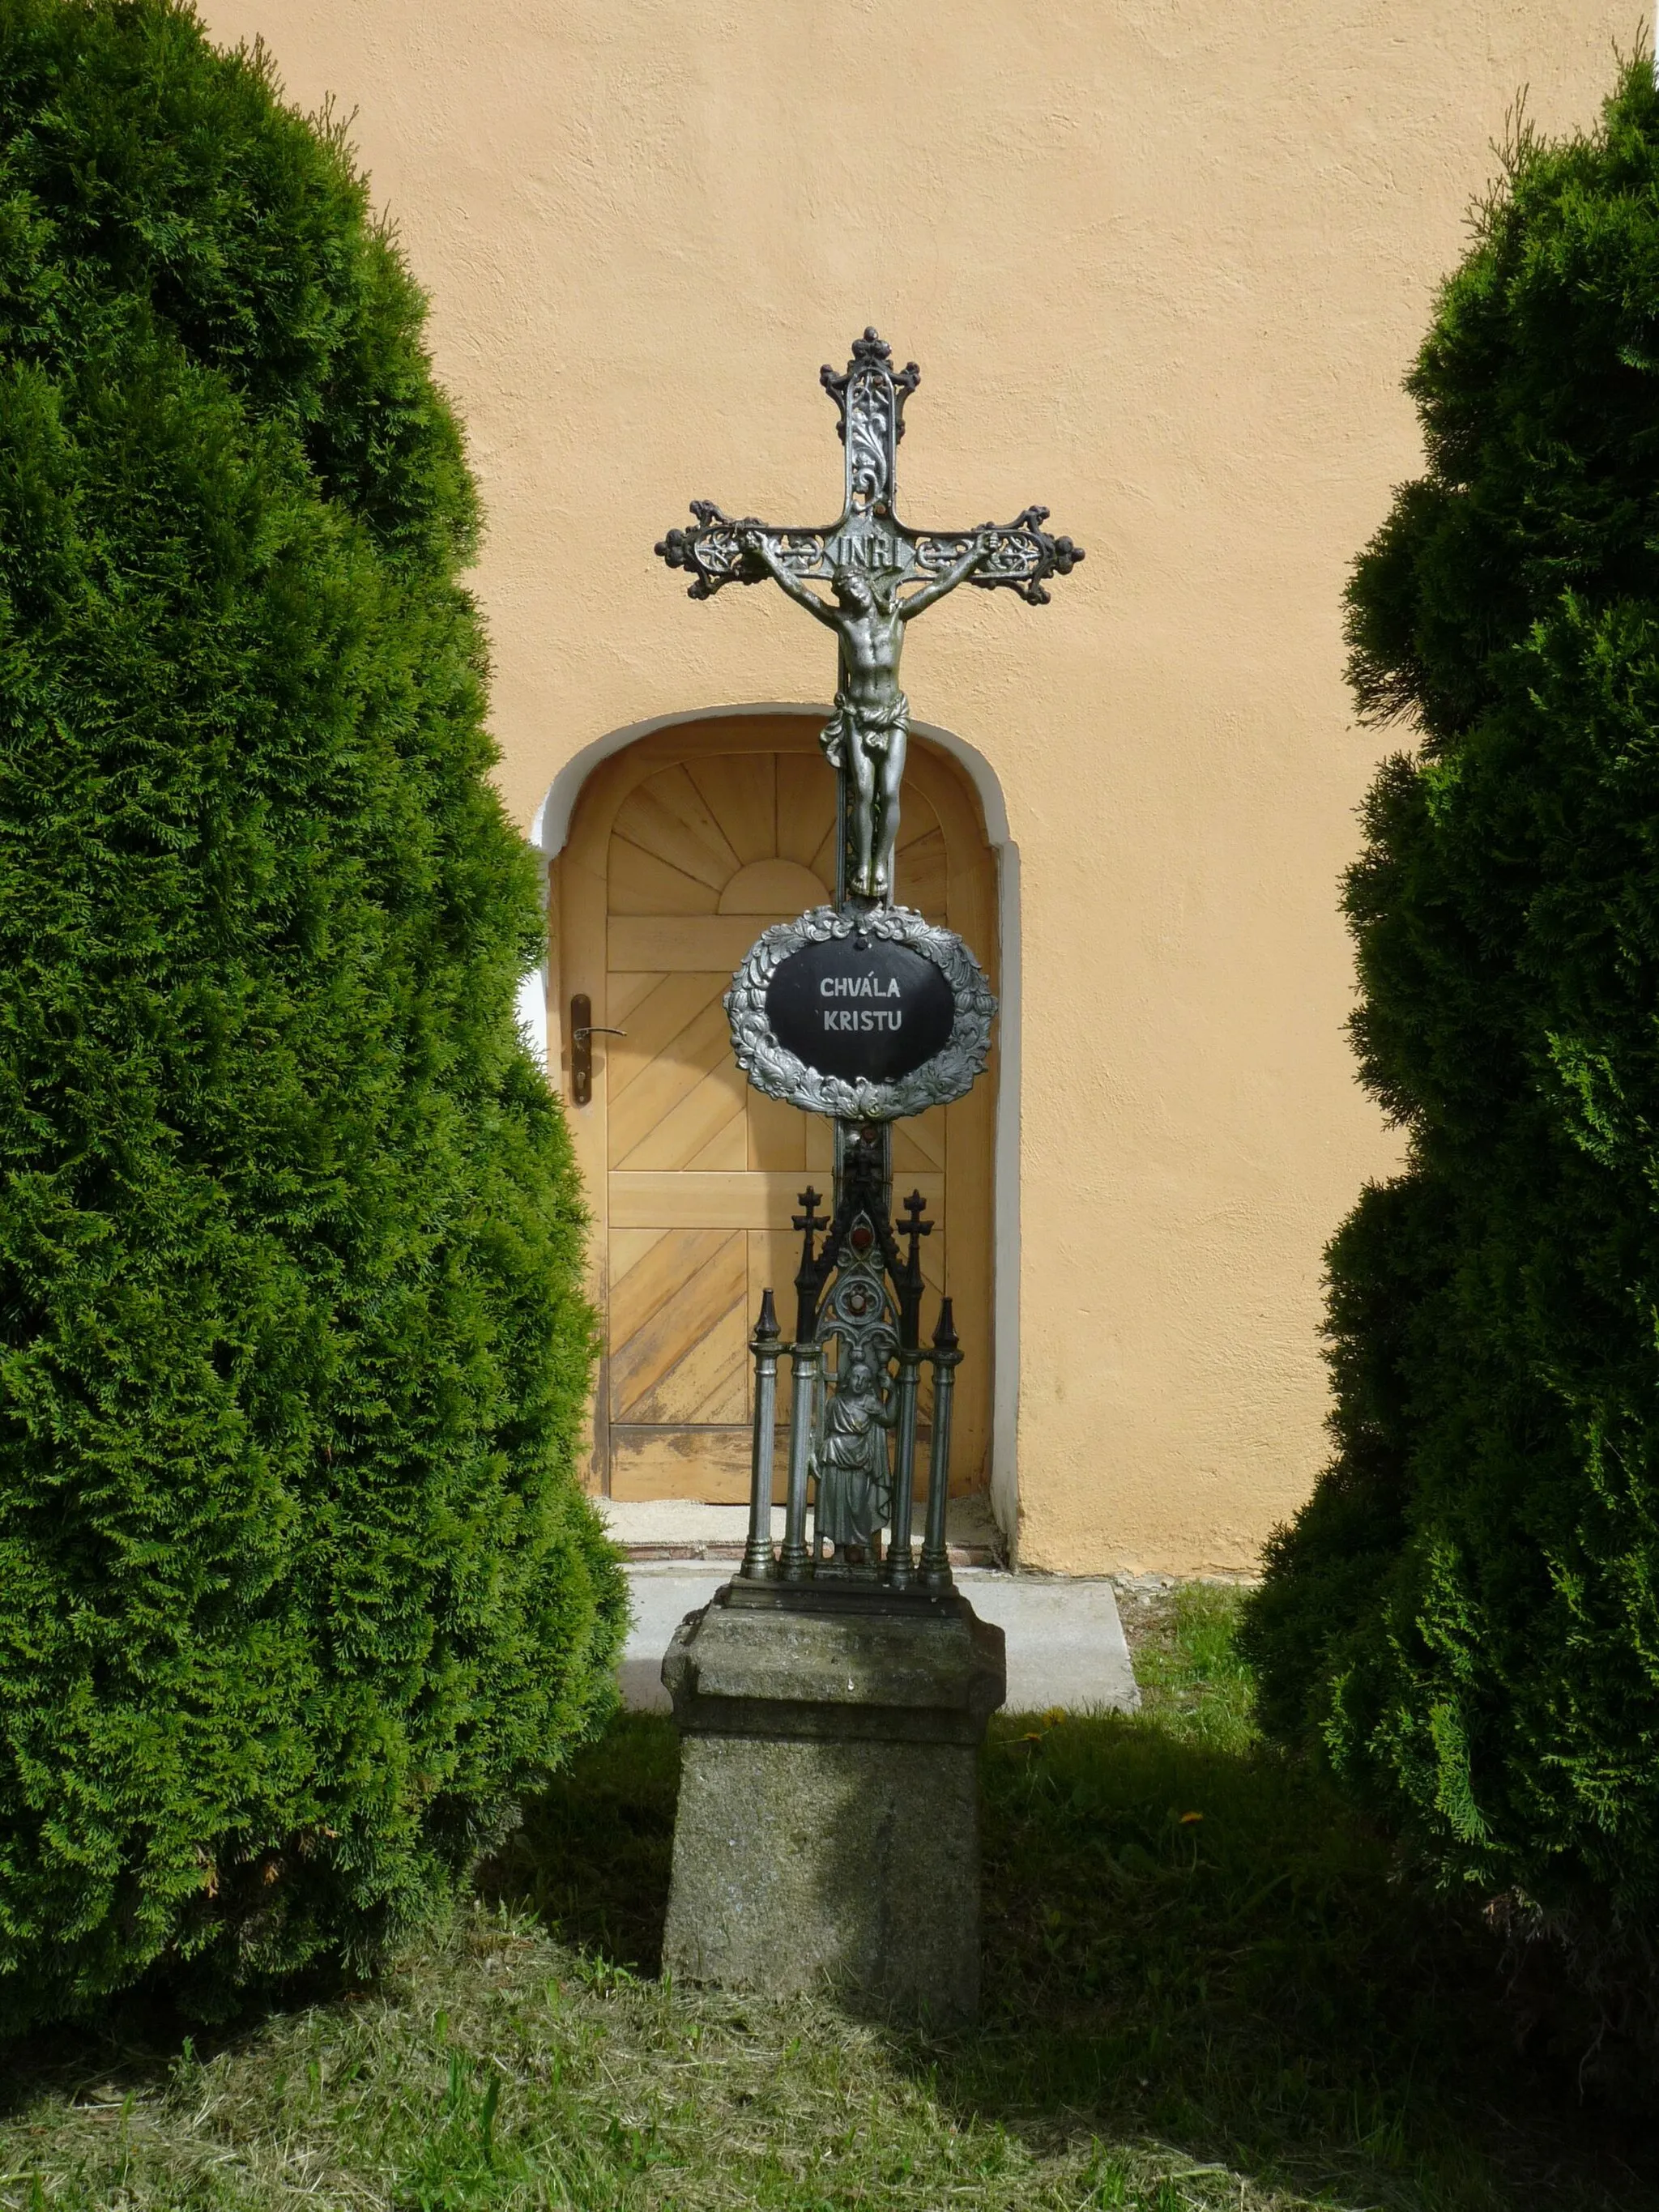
1207 1985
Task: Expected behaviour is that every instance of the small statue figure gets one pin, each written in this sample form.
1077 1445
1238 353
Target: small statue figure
851 1465
866 737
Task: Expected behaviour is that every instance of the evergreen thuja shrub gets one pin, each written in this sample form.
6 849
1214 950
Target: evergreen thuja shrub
1465 1619
296 1586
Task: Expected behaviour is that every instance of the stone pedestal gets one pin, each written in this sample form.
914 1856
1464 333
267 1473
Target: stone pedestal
827 1830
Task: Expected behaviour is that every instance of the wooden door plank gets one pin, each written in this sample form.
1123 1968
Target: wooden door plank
711 1465
729 1146
823 862
774 1256
807 807
647 1267
660 1017
625 993
724 1201
703 1047
707 1302
777 1134
685 821
771 886
690 940
744 734
781 1137
695 1120
667 817
971 910
708 1382
642 884
677 789
577 908
969 1124
917 819
820 1147
740 792
919 1143
923 877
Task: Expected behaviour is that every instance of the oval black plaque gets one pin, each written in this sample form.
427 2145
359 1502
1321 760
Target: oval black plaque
879 1013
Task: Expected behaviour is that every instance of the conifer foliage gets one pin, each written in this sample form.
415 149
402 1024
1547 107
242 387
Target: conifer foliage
296 1586
1466 1616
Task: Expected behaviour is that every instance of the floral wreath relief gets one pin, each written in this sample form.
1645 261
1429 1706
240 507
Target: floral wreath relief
773 1068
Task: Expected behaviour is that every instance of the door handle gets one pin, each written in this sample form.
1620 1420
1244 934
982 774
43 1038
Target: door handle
582 1031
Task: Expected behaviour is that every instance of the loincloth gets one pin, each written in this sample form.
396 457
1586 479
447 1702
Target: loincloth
872 728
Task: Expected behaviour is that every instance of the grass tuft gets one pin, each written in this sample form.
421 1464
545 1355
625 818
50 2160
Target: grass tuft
1208 1987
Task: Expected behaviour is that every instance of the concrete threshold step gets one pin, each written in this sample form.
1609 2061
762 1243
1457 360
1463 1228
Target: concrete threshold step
672 1529
1065 1643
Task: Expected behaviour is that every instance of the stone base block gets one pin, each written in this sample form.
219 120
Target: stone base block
827 1829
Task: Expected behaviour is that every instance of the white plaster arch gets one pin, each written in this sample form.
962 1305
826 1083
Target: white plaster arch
548 834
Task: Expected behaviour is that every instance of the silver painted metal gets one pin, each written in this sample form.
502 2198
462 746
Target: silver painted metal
860 1293
900 1557
759 1560
795 1560
882 575
773 1068
947 1357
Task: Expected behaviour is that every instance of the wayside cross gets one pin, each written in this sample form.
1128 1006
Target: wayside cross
881 575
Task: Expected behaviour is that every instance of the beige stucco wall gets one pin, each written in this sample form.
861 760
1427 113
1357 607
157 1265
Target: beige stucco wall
1163 262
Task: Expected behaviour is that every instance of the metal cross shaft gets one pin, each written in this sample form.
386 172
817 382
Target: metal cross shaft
882 575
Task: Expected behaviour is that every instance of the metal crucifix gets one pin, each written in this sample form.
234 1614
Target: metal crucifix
881 575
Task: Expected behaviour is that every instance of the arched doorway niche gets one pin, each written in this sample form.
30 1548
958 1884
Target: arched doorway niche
576 830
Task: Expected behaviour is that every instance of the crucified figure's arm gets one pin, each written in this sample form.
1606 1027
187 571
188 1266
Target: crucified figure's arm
957 573
756 542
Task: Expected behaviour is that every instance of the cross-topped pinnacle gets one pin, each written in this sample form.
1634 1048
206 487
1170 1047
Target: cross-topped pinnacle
871 396
810 1221
882 575
913 1229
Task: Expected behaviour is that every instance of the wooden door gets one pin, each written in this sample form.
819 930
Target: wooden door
682 849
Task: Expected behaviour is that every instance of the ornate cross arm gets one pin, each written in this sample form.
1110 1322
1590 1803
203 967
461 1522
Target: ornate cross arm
1022 554
880 575
714 554
869 395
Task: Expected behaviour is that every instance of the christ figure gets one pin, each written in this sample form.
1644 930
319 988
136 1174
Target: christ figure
865 736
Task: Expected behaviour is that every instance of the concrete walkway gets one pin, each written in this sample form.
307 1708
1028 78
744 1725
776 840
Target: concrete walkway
683 1528
1065 1643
